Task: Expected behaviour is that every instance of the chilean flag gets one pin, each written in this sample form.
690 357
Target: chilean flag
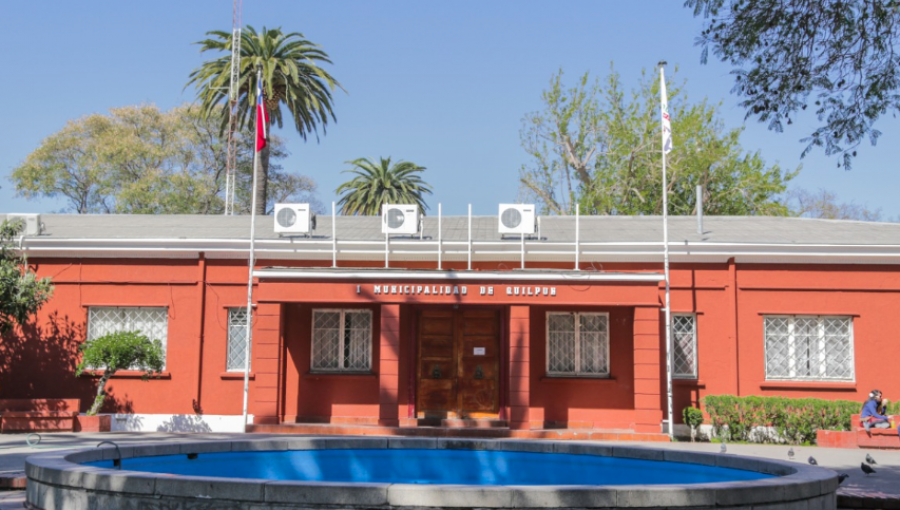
262 118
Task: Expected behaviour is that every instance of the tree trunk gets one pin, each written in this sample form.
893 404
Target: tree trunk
262 180
101 394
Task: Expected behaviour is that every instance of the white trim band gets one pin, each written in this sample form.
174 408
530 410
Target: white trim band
361 274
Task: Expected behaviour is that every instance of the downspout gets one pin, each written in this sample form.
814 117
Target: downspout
732 273
201 263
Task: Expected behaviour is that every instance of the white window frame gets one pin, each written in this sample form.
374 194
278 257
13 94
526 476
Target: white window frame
92 333
341 342
577 372
792 361
675 374
228 338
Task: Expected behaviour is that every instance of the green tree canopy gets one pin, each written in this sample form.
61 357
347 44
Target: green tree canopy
138 159
596 146
293 77
381 183
839 56
22 293
120 350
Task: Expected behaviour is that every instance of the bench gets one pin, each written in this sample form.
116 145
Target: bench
38 415
875 438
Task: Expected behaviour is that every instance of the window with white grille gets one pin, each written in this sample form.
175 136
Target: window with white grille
809 348
152 322
578 344
237 339
342 341
684 346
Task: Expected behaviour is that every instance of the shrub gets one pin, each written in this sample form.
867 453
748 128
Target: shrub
121 350
693 418
777 419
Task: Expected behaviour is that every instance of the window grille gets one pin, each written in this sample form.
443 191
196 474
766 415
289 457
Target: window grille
342 341
237 339
684 346
809 348
152 322
578 344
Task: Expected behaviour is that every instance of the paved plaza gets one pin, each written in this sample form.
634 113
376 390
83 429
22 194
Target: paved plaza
880 490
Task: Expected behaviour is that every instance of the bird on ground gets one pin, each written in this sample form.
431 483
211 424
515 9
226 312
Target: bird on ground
812 461
723 448
791 453
867 469
842 477
870 459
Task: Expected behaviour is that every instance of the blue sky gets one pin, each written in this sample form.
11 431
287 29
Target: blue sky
443 84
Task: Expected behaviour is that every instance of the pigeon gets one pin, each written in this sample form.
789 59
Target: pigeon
867 469
812 461
723 448
870 459
842 477
791 453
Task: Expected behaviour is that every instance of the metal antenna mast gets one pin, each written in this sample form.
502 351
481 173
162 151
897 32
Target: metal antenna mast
233 96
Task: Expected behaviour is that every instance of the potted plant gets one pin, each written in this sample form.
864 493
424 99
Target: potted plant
110 353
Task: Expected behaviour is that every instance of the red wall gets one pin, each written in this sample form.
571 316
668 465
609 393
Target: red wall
317 397
729 299
584 403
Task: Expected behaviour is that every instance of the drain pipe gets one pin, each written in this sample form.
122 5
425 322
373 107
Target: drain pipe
700 209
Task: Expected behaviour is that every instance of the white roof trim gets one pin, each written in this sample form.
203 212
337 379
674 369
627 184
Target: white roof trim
406 274
535 251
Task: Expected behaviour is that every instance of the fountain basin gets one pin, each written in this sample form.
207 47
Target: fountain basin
86 480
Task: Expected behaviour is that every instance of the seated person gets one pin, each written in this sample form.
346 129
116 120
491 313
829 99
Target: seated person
873 412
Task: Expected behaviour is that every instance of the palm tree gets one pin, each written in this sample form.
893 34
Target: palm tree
291 76
381 183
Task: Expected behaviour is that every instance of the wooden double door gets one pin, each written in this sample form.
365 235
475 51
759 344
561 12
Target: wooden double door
458 372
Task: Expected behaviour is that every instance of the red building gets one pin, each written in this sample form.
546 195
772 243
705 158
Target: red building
563 328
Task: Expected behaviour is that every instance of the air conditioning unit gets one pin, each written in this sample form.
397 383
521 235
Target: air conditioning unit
32 221
294 219
399 219
517 219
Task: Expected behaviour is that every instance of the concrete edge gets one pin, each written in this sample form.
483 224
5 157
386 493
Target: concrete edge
796 481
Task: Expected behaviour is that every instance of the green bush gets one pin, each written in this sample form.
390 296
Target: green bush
893 408
777 419
693 418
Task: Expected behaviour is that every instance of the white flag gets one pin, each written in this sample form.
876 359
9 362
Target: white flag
664 108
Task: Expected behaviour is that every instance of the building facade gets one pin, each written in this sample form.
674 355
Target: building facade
459 323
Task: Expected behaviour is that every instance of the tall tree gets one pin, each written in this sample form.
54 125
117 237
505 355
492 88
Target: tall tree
292 77
840 56
824 204
138 159
22 293
381 183
596 146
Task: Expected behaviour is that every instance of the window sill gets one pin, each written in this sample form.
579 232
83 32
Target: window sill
236 375
339 375
577 379
808 385
127 374
689 382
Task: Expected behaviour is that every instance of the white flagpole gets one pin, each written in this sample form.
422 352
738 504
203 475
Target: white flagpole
251 263
664 112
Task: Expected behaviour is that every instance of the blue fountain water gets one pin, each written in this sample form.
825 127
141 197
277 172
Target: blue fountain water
467 467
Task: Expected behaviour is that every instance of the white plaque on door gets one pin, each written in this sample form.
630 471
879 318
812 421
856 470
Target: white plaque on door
479 351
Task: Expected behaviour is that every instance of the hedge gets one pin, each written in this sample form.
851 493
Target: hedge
778 419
